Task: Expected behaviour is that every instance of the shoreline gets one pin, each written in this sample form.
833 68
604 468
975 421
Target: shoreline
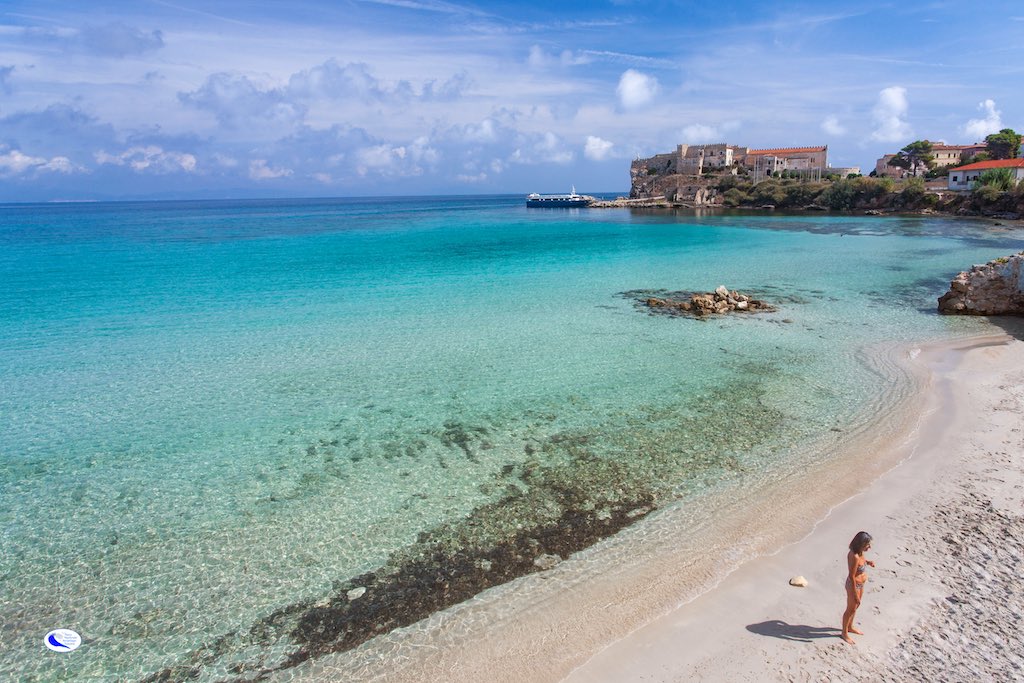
545 626
958 492
665 205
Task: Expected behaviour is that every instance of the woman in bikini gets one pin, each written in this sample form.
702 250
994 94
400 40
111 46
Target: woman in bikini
855 580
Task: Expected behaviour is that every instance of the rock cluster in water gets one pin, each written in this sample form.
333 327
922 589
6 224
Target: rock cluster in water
718 302
994 288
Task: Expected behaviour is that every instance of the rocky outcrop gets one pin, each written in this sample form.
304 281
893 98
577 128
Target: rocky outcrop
673 188
624 203
718 302
994 288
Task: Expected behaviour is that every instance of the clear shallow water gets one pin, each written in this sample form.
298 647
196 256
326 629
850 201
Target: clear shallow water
215 412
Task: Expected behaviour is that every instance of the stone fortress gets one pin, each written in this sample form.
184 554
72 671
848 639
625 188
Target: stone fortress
690 174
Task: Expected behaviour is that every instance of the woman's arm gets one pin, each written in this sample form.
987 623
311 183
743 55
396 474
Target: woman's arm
851 561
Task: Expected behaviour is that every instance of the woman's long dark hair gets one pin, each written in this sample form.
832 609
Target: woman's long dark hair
860 541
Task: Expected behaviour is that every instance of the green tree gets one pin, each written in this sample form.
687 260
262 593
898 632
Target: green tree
914 156
980 156
1003 145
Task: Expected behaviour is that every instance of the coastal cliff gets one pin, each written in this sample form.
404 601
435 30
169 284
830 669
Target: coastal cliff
994 288
677 188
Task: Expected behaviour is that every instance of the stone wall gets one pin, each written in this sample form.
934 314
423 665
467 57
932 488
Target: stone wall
994 288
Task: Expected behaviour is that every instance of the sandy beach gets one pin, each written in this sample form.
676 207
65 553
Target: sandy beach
946 599
940 485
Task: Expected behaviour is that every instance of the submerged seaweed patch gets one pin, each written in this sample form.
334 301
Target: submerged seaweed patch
546 512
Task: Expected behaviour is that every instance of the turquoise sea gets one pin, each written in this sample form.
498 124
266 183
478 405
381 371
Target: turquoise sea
239 435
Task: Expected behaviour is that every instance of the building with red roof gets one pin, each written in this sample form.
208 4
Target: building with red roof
768 161
696 159
966 177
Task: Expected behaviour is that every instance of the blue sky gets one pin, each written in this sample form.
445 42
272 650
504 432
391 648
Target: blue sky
186 98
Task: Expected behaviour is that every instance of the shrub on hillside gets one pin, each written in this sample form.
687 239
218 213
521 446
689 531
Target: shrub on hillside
869 189
769 192
986 194
1000 178
734 197
799 195
727 182
913 193
840 195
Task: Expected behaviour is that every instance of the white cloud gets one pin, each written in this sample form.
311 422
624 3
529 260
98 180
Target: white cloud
597 149
149 158
225 161
977 129
570 58
485 132
379 156
119 40
701 133
543 149
260 170
889 115
15 162
401 160
552 150
636 89
421 151
832 126
59 165
540 59
110 40
334 80
5 76
238 102
697 133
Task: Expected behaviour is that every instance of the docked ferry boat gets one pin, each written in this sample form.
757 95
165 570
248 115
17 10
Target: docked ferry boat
558 200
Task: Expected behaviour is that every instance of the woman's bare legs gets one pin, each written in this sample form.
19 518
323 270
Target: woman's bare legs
852 603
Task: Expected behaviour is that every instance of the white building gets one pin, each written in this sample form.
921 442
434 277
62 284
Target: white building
965 177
